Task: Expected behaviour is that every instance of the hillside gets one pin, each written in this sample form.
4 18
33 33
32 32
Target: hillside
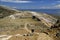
21 25
4 11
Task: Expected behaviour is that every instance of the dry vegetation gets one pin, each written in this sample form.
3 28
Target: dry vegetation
10 26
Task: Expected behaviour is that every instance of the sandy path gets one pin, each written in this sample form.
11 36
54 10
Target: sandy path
27 28
5 37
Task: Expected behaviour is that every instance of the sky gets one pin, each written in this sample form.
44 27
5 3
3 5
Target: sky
31 4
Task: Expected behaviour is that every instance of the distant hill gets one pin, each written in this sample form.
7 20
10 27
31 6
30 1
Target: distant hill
4 11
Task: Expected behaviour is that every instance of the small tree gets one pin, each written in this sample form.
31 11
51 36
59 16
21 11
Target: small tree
32 30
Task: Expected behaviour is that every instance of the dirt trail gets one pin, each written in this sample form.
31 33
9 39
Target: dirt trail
27 28
7 37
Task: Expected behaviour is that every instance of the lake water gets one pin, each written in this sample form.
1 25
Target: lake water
49 11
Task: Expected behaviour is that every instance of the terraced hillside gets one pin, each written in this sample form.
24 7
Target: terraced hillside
22 26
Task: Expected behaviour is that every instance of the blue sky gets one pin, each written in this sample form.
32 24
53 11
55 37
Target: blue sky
31 4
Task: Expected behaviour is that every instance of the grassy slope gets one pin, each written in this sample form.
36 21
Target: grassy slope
11 26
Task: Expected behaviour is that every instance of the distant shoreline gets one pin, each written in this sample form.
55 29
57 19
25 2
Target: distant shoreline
55 12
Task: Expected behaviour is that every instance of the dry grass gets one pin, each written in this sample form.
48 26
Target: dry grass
7 24
34 37
16 26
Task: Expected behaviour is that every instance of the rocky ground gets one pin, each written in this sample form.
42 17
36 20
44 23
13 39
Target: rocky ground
21 26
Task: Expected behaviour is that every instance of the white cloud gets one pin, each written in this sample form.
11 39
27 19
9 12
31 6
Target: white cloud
57 6
17 1
21 1
45 7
